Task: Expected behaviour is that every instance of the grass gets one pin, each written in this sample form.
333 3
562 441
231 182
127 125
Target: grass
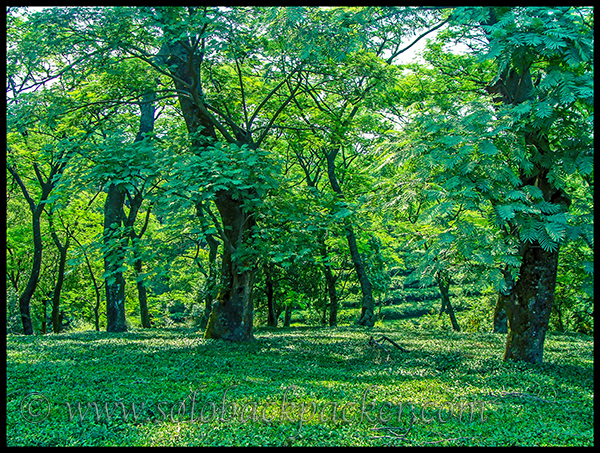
295 386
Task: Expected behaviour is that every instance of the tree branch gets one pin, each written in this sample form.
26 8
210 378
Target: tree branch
422 35
274 117
17 178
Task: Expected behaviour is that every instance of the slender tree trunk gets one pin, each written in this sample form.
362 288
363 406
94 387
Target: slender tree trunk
25 298
147 110
367 315
62 262
96 306
56 324
44 329
444 287
97 313
271 316
142 294
36 213
135 205
212 284
504 297
330 280
287 317
113 260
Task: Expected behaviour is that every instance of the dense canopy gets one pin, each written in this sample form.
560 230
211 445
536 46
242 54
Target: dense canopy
231 167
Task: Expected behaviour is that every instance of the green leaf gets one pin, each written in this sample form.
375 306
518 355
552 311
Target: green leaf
506 212
546 242
342 213
528 231
543 110
488 148
556 231
548 208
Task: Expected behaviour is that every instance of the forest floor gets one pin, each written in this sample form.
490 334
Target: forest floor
296 386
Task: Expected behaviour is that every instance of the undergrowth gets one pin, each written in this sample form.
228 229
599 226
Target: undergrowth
296 386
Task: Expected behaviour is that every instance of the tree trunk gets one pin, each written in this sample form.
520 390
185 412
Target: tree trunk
232 316
211 286
271 315
44 329
529 310
504 297
25 298
330 280
444 287
287 318
333 298
56 324
114 256
529 307
142 294
62 250
146 127
367 315
96 306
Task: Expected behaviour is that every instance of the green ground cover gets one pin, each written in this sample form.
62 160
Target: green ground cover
296 386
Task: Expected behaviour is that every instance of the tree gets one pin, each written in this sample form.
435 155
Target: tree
54 155
207 54
538 129
544 57
349 83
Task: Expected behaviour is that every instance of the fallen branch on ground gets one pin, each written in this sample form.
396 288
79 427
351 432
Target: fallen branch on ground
374 342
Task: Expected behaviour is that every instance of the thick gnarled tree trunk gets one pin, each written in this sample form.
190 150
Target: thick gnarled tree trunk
528 310
529 304
232 315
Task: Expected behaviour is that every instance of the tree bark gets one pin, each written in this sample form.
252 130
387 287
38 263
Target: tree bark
528 310
142 294
211 285
25 298
146 127
529 304
444 287
135 205
113 260
36 213
232 316
271 315
287 317
330 280
44 329
56 324
367 315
